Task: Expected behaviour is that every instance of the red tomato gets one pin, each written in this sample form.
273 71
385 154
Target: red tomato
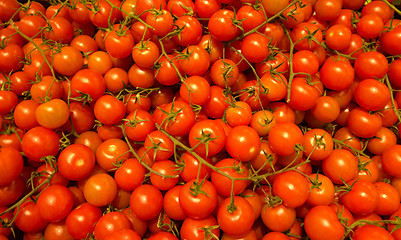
176 118
76 162
110 223
146 202
370 232
362 199
340 165
55 203
371 65
243 143
318 144
159 146
337 75
363 124
198 199
278 218
208 137
12 165
28 218
171 203
321 222
292 187
52 114
221 25
391 160
40 142
321 190
194 228
81 220
284 137
191 56
87 84
190 30
235 216
338 37
233 168
163 168
100 189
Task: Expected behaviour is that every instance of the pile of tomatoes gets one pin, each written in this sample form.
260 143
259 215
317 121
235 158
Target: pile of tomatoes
204 119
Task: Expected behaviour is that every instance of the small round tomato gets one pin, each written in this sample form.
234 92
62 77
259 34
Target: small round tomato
100 189
341 165
87 82
371 65
145 54
159 145
243 143
81 220
68 61
171 203
278 218
224 73
110 152
176 118
235 216
40 142
28 218
337 75
284 137
109 110
191 56
196 228
364 124
198 199
303 95
52 114
146 202
372 94
370 26
371 232
292 187
163 168
76 162
321 190
318 144
109 223
233 168
322 221
12 165
338 37
208 137
55 203
362 199
391 160
190 30
254 47
222 27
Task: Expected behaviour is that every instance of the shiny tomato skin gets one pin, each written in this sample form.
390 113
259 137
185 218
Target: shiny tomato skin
243 143
76 162
198 205
235 221
292 187
109 223
12 165
321 222
81 220
55 202
284 137
362 199
146 202
40 142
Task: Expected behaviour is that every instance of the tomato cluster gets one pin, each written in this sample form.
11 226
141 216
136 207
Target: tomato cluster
205 119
